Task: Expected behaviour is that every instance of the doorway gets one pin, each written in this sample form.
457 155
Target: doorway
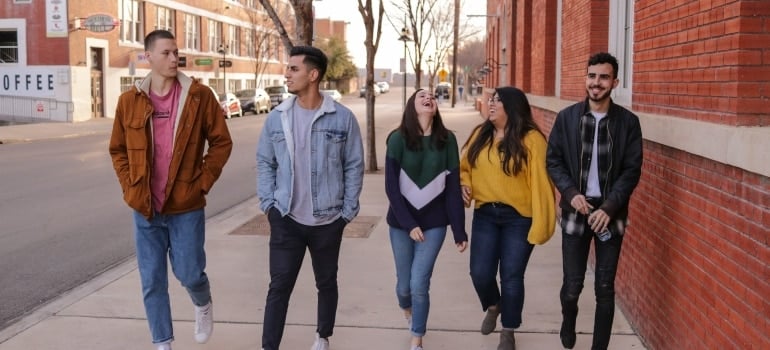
97 91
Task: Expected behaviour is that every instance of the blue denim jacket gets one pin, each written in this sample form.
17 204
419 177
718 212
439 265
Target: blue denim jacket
337 161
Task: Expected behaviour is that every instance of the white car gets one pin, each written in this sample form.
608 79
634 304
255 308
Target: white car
231 105
384 86
334 94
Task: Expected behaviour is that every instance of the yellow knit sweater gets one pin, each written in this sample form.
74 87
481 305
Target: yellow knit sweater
530 192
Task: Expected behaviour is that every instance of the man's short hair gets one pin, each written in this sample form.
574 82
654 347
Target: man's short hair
603 57
314 57
154 35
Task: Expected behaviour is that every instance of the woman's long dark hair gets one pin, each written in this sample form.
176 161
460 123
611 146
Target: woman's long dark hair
511 147
412 132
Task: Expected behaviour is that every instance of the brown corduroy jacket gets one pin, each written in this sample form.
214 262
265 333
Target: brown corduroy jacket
192 173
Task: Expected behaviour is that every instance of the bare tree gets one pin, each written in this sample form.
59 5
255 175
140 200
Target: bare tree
260 33
303 15
469 61
415 15
442 22
372 42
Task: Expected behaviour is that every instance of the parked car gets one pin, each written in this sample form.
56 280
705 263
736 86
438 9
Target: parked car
277 94
384 86
254 100
231 105
335 95
377 91
443 90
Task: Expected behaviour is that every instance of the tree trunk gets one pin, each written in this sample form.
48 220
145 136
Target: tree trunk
303 12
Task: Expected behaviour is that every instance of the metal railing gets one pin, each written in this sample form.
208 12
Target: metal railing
35 109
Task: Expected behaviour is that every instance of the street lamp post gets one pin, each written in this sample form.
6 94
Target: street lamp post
405 37
223 51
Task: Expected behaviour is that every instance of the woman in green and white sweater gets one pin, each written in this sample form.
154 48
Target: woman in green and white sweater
422 181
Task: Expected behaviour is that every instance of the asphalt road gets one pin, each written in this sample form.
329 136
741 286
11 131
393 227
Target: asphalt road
62 219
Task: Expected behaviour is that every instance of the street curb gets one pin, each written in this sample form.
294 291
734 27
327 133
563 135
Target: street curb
220 224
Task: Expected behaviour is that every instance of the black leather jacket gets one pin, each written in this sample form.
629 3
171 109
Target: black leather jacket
565 149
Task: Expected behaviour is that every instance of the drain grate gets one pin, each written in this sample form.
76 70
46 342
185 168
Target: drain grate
360 227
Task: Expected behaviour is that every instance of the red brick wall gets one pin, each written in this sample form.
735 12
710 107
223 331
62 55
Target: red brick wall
39 47
585 31
523 68
694 272
543 79
703 60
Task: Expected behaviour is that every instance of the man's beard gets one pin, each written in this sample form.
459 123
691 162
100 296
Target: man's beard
600 97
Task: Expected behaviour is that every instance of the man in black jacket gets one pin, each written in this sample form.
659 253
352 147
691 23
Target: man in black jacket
595 160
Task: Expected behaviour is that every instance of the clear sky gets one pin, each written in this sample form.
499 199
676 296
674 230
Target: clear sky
390 50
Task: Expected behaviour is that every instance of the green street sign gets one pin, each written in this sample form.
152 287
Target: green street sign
203 61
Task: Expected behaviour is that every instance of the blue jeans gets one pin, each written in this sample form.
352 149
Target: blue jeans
288 242
180 237
499 238
414 267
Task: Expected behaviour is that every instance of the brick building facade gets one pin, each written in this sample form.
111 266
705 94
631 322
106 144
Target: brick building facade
695 267
53 67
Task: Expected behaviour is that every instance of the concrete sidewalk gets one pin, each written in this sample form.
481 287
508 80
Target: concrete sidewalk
53 130
107 313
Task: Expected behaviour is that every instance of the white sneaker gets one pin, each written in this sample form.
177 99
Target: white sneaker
204 322
320 343
164 346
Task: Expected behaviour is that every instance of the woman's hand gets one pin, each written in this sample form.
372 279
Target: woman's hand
416 235
466 191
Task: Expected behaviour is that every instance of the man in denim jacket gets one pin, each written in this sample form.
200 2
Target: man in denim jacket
309 175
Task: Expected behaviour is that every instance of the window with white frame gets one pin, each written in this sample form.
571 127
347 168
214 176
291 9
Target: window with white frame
127 82
165 19
9 46
215 35
235 40
621 46
250 4
192 32
130 16
251 50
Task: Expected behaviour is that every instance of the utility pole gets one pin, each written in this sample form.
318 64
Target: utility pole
454 52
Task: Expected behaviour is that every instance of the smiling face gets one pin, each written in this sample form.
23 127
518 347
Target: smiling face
600 80
163 57
497 115
425 103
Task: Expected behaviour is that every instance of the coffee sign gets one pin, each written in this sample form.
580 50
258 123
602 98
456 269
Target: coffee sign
100 23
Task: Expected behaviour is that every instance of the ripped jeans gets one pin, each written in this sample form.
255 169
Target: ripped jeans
575 250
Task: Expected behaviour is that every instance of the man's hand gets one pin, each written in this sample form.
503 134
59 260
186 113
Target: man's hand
461 246
580 204
599 220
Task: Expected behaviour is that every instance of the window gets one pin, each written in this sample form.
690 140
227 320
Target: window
127 82
251 49
235 40
9 46
251 84
233 85
621 46
216 84
165 19
215 35
191 32
250 4
130 15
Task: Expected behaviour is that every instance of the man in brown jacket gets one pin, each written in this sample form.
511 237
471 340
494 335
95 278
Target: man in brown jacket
157 148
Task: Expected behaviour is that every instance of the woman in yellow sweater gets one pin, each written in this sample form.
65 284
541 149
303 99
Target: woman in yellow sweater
502 169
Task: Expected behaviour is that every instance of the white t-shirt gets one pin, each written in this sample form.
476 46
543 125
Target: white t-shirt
593 188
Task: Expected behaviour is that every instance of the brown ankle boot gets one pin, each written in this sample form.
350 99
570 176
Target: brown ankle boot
507 340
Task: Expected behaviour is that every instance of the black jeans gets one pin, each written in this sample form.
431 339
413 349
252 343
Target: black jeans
575 251
288 240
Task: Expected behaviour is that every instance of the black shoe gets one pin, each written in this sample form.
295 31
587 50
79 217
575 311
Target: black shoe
567 334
